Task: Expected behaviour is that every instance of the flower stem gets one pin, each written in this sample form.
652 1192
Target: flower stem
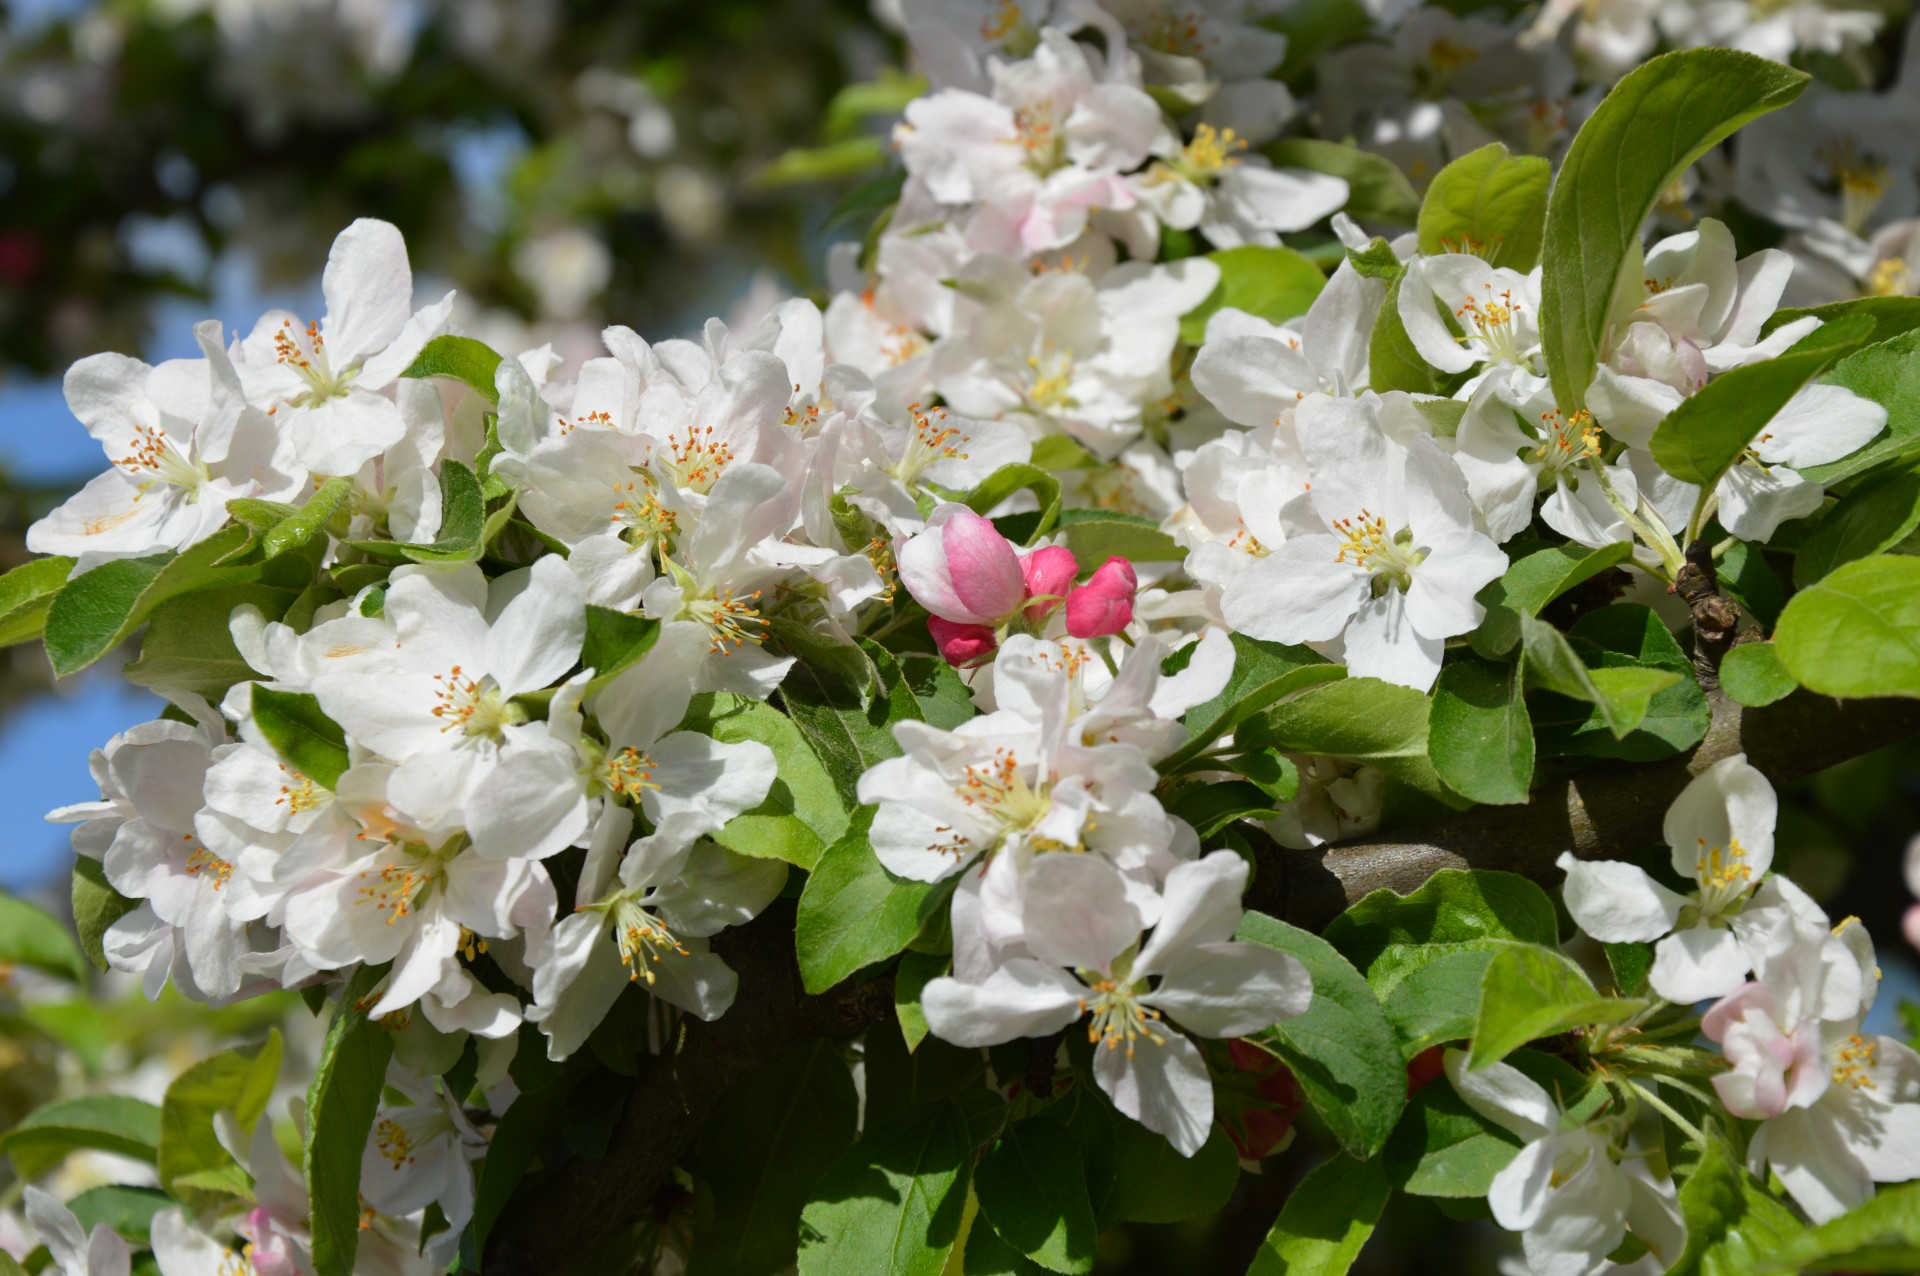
1665 1109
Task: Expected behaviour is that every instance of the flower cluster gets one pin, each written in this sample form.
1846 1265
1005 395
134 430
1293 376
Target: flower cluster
1021 595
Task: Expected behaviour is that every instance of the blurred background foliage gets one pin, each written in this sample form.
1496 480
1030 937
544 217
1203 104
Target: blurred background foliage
562 163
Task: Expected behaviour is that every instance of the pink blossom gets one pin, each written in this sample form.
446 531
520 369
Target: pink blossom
1104 605
962 569
1049 573
961 645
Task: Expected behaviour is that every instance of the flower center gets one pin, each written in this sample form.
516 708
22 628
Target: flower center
154 456
309 358
1723 875
1566 441
300 794
733 622
932 441
1390 560
1890 278
397 888
643 520
1006 27
470 706
1118 1017
1860 180
1210 153
629 773
205 861
1034 133
1851 1061
1491 322
1180 33
1050 383
641 937
696 460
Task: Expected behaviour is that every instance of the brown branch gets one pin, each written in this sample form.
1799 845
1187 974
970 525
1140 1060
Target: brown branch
1607 810
1715 616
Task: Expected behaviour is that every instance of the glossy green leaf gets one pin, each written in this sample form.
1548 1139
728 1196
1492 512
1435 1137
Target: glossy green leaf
1342 1050
96 906
1879 1235
1392 361
1645 133
763 1154
113 1123
1444 1148
853 912
1857 631
1215 804
1389 936
1326 1220
615 640
310 520
90 616
1479 734
26 593
1530 991
1733 1226
891 1206
1359 719
1377 191
463 524
1630 637
1622 695
1438 1000
306 739
802 814
1891 316
1751 674
341 1102
1097 535
1275 284
462 359
1889 374
239 1081
915 972
1032 1187
189 643
1491 203
1706 434
1871 519
1008 479
1153 1183
1263 672
1532 582
29 936
126 1211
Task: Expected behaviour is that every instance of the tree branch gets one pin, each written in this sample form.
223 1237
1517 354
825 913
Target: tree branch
1607 810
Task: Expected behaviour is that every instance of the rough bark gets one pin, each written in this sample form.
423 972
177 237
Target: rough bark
1607 810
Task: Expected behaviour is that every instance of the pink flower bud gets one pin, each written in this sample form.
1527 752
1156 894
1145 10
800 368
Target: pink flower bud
962 569
961 645
1048 571
1104 605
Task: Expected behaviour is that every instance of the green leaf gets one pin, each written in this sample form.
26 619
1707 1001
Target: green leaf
96 906
1630 637
463 523
988 1255
891 1206
1531 991
341 1102
1733 1226
126 1211
1856 632
30 936
1270 770
1215 804
1752 675
1871 519
1479 734
239 1081
1881 1234
1263 672
1438 1000
26 593
1630 964
1889 374
1377 191
1097 535
1749 579
1444 1148
1342 1050
915 972
103 1122
1389 936
1706 434
1490 203
189 641
1644 134
802 814
1531 583
1360 719
89 617
1152 1183
845 725
1891 316
1275 284
459 359
1008 479
1326 1220
1392 361
615 639
853 912
311 519
1622 695
833 162
920 686
1032 1187
306 739
528 1123
762 1156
